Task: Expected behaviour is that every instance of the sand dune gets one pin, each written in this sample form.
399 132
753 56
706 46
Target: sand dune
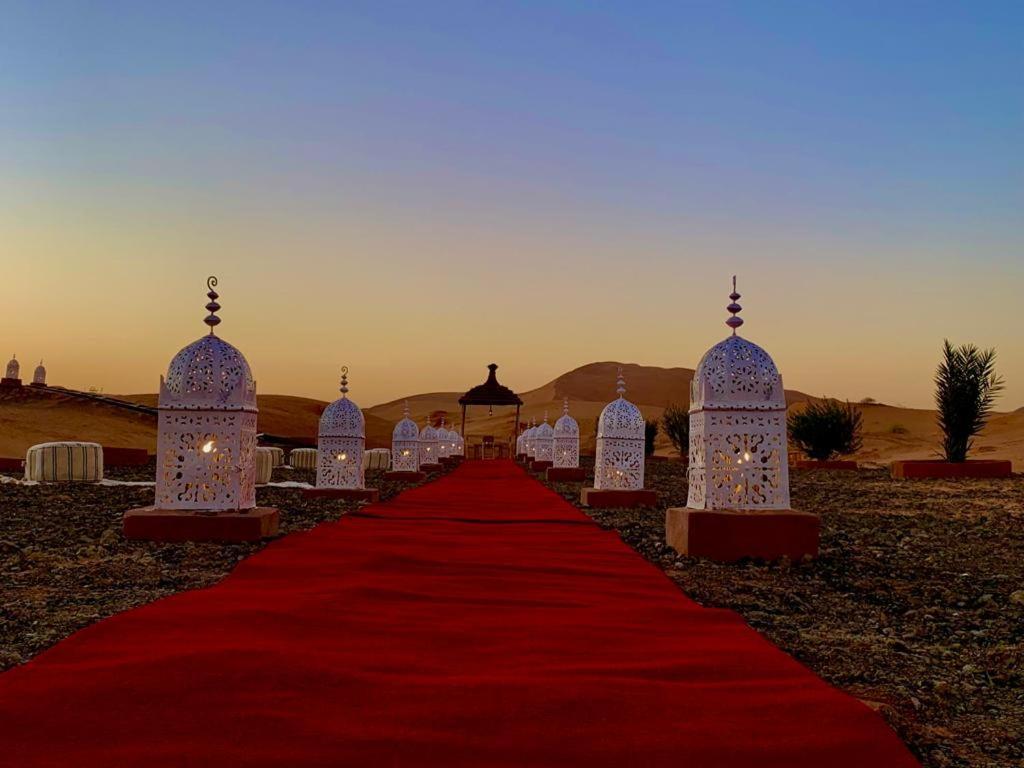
28 416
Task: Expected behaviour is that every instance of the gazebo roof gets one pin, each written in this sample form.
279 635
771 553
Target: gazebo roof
490 392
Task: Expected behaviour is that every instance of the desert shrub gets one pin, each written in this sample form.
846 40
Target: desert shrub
899 429
675 423
966 387
868 401
650 433
826 429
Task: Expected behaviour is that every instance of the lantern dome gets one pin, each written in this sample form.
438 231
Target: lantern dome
39 376
209 370
566 425
343 418
543 431
428 433
406 429
13 368
620 419
736 373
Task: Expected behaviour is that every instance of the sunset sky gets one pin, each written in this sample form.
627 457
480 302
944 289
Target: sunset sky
418 189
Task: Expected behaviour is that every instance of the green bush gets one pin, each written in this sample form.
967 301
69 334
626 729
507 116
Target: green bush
966 387
675 423
826 429
650 433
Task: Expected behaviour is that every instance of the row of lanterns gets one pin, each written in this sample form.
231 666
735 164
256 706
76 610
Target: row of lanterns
207 431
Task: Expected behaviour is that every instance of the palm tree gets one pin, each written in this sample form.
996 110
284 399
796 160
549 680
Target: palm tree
966 387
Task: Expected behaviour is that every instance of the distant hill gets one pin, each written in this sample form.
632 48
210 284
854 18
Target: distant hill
28 416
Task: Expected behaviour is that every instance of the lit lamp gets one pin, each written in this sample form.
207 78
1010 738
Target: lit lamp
738 498
619 463
429 453
12 375
341 442
206 447
543 441
444 443
39 375
566 452
528 447
405 444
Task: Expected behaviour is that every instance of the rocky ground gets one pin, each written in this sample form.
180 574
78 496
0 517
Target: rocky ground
65 565
916 604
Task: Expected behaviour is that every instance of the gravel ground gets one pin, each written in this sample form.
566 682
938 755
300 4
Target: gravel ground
915 605
65 565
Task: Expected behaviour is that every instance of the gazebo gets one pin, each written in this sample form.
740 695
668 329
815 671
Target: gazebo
490 393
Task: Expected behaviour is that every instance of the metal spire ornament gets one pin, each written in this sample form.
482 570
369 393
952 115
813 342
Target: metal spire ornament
212 307
735 321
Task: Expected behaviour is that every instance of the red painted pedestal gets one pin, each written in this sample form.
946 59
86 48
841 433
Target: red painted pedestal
345 494
11 465
909 470
152 524
730 534
521 458
592 497
539 466
430 467
830 465
406 477
566 474
125 457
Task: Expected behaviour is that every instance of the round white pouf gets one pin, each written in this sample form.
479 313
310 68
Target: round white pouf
265 464
377 458
303 458
65 462
276 453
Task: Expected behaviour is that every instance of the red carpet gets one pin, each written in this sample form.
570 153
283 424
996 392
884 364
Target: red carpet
477 621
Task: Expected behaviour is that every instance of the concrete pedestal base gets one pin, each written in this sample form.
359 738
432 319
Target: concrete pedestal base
829 465
566 474
540 466
406 477
152 524
602 499
5 382
430 467
730 534
521 458
977 468
11 465
345 494
449 462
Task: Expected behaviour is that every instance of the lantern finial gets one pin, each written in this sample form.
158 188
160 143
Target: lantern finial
735 321
620 384
565 406
545 415
212 307
405 411
344 380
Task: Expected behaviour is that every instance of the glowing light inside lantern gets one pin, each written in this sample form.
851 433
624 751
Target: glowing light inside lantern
342 456
209 446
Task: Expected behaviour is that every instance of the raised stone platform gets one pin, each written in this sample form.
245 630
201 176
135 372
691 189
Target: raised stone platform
152 524
566 474
430 467
405 477
976 468
605 499
729 534
835 465
371 495
540 466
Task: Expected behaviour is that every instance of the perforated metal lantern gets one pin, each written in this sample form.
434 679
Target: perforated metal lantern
340 443
444 443
544 441
429 453
520 450
567 440
206 431
13 368
619 464
738 455
529 448
453 442
405 444
39 375
460 444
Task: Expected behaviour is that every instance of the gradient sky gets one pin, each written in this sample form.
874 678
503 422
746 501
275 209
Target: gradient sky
416 189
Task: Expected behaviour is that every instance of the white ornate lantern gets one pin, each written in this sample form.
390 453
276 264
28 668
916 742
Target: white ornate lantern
520 450
544 441
429 445
39 376
566 440
738 456
206 433
405 444
528 445
340 443
619 464
444 443
13 372
460 444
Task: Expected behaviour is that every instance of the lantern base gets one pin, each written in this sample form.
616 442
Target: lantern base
430 467
605 499
152 524
733 534
5 382
540 466
522 458
371 495
983 468
450 461
566 474
405 477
